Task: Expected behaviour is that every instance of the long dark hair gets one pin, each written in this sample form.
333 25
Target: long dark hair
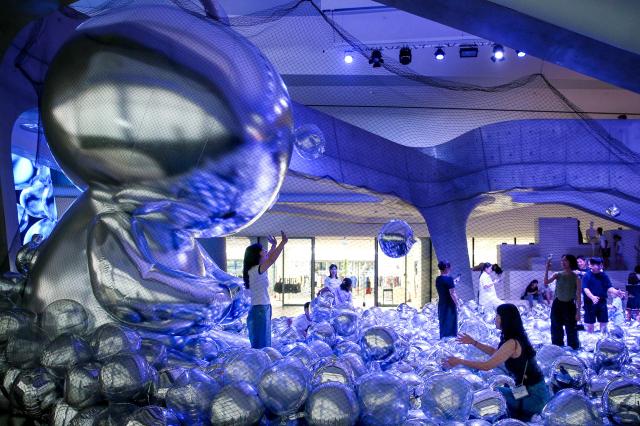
484 266
573 261
512 328
346 284
251 259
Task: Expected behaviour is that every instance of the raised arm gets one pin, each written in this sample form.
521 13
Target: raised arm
274 252
500 355
548 280
468 340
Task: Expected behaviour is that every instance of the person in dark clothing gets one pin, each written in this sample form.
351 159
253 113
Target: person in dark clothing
597 287
519 358
565 310
447 301
532 292
633 294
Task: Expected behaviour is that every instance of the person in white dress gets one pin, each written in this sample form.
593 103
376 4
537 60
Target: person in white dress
332 282
488 298
343 294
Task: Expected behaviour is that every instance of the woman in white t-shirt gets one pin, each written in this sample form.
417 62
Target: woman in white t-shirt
343 293
487 291
254 272
332 282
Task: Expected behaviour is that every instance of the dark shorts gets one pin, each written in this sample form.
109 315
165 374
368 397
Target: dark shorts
596 312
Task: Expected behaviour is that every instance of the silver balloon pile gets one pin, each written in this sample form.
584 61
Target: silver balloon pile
372 367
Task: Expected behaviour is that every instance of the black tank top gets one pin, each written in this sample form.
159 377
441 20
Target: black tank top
516 367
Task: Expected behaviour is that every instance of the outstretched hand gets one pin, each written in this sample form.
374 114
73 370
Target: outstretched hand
465 339
272 240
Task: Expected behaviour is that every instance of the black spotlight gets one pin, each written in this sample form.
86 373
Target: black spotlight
376 59
405 56
498 53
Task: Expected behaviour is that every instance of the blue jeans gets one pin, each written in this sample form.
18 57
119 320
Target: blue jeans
531 298
524 408
259 326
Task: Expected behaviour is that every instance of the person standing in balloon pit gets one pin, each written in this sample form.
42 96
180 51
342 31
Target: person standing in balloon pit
447 301
565 309
597 287
530 393
254 272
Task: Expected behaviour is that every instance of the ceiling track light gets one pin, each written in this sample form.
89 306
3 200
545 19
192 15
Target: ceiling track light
498 53
439 54
348 57
405 55
376 58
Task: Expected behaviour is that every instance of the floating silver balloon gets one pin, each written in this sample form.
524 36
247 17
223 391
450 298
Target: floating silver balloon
447 397
152 415
383 398
14 321
82 386
64 316
88 416
28 254
201 347
378 343
302 352
64 352
613 210
191 395
62 414
346 347
396 238
237 404
620 401
356 364
12 287
284 386
331 370
126 377
547 355
273 353
322 331
309 142
111 339
248 367
204 159
332 404
488 405
34 392
568 372
115 414
610 354
25 348
320 348
596 383
345 322
509 422
570 407
167 378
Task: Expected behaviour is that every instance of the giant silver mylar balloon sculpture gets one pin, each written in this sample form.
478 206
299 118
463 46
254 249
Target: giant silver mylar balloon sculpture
177 128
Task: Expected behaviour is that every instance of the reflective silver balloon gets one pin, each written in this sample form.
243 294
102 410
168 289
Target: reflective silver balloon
546 356
309 142
284 386
383 398
88 416
14 321
447 397
273 353
396 238
346 347
62 414
201 347
477 422
570 407
488 405
237 404
111 339
356 364
621 401
115 414
509 422
568 372
322 331
28 254
12 287
191 395
126 377
332 404
82 386
204 158
378 343
64 316
596 383
34 392
610 354
24 349
248 367
152 415
167 378
320 348
64 352
300 351
345 322
331 370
